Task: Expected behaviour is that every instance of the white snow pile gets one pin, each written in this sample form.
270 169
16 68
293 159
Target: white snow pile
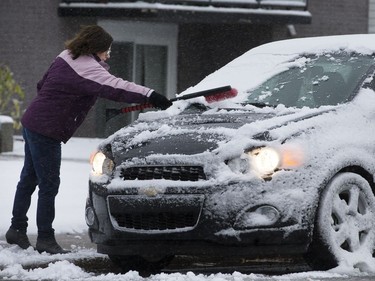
5 119
15 264
18 264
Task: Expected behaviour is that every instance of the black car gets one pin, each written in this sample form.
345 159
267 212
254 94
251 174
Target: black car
286 168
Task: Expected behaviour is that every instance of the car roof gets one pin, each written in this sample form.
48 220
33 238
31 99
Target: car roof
260 63
362 43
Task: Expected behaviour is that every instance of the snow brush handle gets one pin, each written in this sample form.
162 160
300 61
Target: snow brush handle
210 95
136 107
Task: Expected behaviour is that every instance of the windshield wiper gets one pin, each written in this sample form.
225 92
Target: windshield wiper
196 107
258 104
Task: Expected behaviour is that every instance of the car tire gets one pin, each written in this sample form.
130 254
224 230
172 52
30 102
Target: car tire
140 264
344 230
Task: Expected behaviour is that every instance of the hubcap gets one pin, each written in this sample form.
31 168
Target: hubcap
347 220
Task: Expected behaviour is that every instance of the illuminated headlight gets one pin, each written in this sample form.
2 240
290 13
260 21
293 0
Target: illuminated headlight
264 160
101 164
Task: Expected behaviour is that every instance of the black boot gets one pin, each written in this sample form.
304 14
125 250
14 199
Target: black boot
15 236
50 246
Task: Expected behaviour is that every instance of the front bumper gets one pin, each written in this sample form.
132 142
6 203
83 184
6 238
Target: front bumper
261 244
195 220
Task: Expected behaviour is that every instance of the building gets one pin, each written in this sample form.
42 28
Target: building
168 45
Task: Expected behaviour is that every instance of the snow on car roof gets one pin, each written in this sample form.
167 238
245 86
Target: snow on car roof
259 63
365 43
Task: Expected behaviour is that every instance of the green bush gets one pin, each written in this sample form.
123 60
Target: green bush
11 96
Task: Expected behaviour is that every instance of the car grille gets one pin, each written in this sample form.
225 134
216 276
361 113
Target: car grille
176 173
157 221
166 213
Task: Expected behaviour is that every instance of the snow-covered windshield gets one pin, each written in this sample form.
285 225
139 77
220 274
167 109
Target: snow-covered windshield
314 80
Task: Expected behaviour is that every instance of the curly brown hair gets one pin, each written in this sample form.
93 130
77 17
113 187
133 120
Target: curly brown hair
91 39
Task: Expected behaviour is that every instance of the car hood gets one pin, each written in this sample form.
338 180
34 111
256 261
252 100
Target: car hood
190 134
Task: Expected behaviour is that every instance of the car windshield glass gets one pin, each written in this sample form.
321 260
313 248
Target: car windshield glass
327 79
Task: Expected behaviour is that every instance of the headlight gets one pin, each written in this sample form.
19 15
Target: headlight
101 164
264 160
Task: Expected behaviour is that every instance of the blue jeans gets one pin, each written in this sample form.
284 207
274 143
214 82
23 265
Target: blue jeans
41 168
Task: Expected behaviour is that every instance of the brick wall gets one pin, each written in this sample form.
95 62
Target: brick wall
333 17
31 36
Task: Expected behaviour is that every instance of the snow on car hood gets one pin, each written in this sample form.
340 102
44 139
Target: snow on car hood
187 134
196 133
324 135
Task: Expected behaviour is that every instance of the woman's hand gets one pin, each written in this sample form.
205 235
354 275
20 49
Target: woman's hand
159 101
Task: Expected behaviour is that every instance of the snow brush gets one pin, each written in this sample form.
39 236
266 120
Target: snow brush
210 95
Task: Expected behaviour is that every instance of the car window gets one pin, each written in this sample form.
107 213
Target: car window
327 79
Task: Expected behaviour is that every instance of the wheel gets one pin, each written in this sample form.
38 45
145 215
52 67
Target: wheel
140 264
345 225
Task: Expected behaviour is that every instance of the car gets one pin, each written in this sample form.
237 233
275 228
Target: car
285 168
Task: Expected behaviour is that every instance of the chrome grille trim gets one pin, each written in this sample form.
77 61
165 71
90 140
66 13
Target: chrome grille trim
176 173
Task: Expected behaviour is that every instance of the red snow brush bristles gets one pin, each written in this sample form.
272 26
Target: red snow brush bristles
222 96
211 95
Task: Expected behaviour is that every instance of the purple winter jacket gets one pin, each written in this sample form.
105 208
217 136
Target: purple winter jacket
69 89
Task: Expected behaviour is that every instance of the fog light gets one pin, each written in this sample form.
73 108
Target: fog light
90 216
262 216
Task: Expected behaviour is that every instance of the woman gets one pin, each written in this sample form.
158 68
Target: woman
67 91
